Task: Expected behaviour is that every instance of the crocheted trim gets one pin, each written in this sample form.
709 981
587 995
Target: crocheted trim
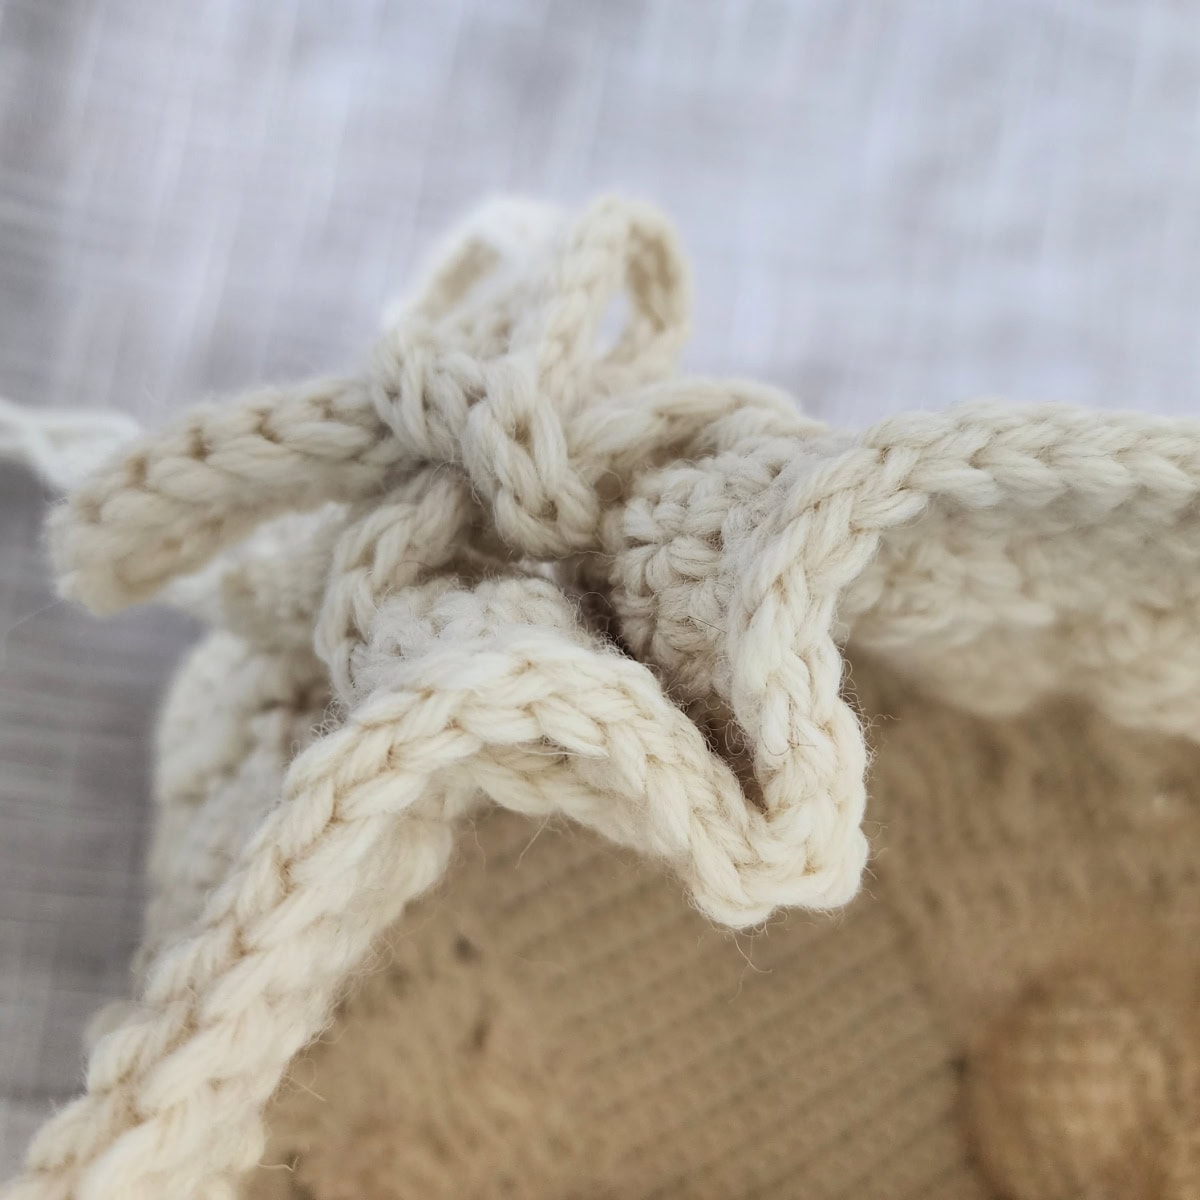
557 575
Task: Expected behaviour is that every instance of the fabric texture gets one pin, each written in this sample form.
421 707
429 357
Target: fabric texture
521 560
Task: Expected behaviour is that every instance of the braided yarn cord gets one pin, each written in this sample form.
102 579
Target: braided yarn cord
520 559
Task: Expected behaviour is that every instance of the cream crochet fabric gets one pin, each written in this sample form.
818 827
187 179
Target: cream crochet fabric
519 570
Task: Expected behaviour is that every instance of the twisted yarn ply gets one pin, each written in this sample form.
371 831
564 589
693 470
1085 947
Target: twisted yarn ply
520 559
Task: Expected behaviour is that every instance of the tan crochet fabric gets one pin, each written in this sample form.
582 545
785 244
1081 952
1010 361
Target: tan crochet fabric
509 563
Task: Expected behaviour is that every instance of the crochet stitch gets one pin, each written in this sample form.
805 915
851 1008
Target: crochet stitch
512 562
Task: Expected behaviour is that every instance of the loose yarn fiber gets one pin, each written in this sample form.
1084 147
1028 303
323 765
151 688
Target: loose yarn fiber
519 559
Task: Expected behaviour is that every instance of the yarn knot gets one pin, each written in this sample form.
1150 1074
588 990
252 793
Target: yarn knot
494 420
497 388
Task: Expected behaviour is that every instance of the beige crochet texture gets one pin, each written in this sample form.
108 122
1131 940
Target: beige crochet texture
522 608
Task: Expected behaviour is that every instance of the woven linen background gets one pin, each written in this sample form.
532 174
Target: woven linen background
889 205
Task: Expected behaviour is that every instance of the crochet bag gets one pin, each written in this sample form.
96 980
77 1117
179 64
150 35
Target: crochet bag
537 670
